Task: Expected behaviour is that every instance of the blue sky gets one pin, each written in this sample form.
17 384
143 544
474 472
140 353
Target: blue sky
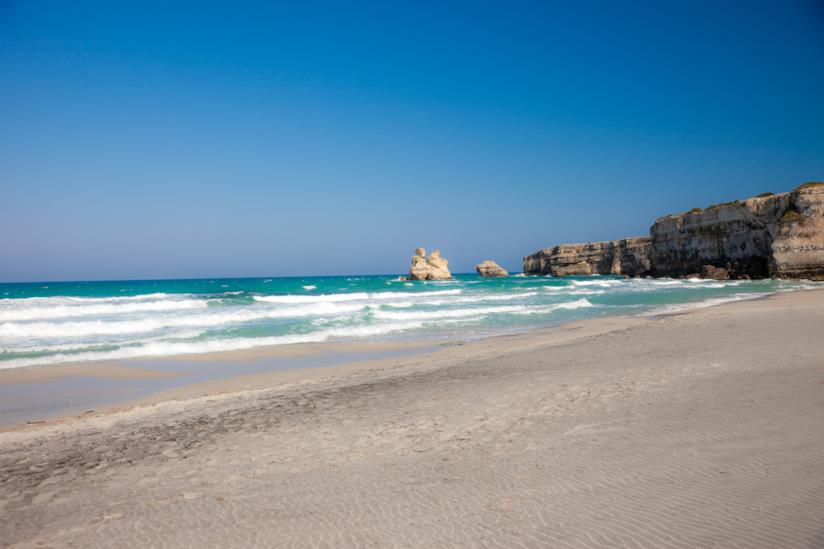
142 140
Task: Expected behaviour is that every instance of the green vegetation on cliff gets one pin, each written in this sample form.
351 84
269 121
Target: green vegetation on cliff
724 204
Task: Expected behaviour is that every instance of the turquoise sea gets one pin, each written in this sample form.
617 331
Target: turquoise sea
47 323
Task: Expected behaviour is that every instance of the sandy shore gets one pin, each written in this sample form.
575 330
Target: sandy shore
694 430
45 393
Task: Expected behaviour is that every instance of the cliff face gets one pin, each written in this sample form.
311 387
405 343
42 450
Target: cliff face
736 236
798 248
628 256
778 235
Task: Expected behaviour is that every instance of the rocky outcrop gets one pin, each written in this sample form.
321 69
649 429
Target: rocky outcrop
798 246
715 273
771 235
628 256
433 267
490 269
736 236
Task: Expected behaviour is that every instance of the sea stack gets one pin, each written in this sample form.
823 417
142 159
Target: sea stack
433 267
490 269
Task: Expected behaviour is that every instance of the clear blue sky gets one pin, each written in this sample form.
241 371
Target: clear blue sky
141 139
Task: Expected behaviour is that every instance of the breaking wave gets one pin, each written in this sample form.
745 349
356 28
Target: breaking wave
165 348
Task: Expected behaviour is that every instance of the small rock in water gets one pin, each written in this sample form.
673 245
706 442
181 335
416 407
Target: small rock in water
715 273
490 269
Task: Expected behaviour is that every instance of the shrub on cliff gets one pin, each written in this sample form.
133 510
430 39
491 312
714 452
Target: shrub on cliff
791 216
723 204
810 185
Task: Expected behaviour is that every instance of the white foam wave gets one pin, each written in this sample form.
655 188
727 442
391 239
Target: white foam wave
577 304
637 285
354 296
64 311
58 300
309 287
557 289
14 330
681 307
467 299
402 304
573 290
56 348
325 298
606 283
162 348
479 311
456 313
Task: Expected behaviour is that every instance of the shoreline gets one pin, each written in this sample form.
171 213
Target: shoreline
154 379
361 359
167 377
696 429
175 321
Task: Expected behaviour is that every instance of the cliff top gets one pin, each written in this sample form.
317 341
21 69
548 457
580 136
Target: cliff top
762 196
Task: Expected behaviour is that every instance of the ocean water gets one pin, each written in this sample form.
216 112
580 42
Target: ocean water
48 323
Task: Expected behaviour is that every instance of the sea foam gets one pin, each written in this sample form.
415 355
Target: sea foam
105 327
157 349
80 309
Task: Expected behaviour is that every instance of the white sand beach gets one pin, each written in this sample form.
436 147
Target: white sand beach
701 429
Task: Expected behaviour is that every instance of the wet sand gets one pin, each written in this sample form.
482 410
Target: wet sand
36 394
693 430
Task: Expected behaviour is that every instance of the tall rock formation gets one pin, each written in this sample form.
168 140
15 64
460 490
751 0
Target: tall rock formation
433 267
775 235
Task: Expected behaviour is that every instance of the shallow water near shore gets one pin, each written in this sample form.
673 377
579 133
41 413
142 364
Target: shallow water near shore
91 388
68 322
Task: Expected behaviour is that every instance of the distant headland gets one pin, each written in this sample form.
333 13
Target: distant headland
767 236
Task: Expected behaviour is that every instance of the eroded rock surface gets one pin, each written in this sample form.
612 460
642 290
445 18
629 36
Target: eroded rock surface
798 247
490 269
736 236
771 235
433 267
628 256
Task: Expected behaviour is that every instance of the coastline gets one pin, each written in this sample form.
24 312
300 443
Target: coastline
103 387
280 365
696 428
189 375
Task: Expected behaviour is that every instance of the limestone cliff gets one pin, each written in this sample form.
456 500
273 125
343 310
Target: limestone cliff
628 256
776 235
736 235
798 247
